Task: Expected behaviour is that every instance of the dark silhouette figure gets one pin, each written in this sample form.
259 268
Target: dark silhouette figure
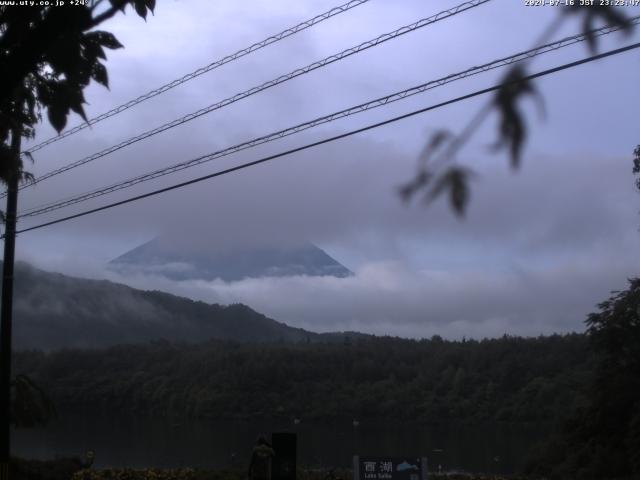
261 456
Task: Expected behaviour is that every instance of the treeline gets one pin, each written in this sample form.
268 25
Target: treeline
509 379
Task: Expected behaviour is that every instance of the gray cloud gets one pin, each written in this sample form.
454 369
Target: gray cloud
389 298
535 254
537 250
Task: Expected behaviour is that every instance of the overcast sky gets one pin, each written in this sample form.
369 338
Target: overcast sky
538 249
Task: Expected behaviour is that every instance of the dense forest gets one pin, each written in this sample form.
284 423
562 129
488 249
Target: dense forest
508 379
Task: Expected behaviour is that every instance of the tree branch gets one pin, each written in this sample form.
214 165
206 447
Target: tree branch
110 12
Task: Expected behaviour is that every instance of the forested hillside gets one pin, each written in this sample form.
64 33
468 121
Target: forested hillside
508 379
52 311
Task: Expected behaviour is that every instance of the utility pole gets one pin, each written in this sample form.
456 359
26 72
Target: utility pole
6 309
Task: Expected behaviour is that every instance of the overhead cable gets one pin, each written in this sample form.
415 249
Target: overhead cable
200 71
272 83
378 102
332 139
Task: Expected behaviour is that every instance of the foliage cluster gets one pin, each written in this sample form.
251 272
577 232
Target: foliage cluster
48 56
434 178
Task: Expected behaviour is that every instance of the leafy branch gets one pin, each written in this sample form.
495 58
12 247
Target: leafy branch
435 177
48 56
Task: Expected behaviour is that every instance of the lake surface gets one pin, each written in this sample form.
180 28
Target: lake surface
146 442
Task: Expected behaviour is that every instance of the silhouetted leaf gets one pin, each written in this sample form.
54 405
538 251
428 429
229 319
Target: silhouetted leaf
410 188
106 39
141 8
27 177
64 97
76 100
438 138
121 4
92 47
456 181
512 128
587 28
636 165
57 115
28 155
99 74
606 14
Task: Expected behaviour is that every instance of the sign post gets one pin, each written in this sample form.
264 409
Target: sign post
389 468
284 464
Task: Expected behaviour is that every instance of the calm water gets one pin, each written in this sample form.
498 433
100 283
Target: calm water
126 442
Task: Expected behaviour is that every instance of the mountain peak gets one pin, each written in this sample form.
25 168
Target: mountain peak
172 260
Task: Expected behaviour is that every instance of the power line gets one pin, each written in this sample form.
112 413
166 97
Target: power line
277 81
565 42
200 71
332 139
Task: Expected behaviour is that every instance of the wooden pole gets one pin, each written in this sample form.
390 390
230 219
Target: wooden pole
6 310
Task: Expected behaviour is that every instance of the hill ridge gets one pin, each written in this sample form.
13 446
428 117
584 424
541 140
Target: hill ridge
53 310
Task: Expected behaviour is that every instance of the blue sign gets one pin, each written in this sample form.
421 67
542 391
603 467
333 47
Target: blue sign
389 468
